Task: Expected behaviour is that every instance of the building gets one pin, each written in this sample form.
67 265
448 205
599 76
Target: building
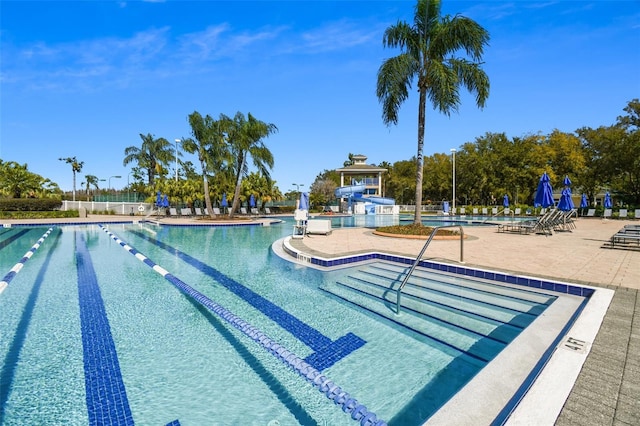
362 173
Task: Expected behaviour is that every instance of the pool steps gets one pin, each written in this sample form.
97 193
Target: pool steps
456 314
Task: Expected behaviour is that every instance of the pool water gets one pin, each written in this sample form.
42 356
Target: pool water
83 298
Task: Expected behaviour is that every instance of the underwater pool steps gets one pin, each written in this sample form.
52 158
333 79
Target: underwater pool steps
470 316
448 316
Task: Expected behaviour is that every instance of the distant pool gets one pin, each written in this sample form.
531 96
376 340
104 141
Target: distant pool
376 221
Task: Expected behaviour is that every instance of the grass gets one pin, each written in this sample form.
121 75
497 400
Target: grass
415 229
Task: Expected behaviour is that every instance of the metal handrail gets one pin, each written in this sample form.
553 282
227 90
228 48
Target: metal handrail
417 261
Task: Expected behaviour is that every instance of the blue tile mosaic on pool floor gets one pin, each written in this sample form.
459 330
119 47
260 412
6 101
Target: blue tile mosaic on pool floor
107 402
321 344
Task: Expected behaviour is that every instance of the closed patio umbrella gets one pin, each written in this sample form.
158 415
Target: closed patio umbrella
584 203
544 193
607 201
159 199
304 201
223 203
505 200
252 201
566 203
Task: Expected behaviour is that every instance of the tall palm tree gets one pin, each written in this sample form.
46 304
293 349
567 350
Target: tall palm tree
90 180
211 147
76 167
245 138
152 156
427 53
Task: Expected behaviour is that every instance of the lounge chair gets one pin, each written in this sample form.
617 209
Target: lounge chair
186 212
494 211
485 211
507 211
475 211
173 212
198 211
591 213
622 214
607 213
636 214
243 211
518 211
463 211
267 210
216 211
254 211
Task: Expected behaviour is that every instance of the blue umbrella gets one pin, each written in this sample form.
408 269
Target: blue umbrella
304 201
566 203
252 201
158 199
607 201
165 202
505 200
566 181
544 193
584 203
223 203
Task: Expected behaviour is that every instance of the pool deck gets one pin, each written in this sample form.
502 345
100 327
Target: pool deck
607 388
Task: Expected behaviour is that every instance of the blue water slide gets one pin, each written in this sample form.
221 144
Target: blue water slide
355 192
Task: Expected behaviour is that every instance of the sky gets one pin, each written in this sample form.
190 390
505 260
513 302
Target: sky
86 78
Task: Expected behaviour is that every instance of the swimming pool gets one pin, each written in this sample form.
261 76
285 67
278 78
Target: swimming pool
375 221
183 317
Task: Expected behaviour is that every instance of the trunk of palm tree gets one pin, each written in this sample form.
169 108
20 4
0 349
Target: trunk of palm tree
419 156
236 195
205 184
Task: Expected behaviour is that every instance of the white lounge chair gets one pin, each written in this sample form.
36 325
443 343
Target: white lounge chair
173 212
243 211
591 213
622 214
186 212
198 211
607 213
475 211
216 211
254 211
636 214
267 210
494 211
518 211
485 211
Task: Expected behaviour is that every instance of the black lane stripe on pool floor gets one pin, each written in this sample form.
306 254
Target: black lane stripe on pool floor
107 402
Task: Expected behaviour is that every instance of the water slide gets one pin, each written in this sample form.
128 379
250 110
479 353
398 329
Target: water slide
355 192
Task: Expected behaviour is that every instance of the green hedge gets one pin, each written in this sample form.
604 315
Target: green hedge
39 215
29 204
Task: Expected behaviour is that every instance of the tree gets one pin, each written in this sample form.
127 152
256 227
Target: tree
152 156
427 48
16 180
245 136
90 180
210 146
76 167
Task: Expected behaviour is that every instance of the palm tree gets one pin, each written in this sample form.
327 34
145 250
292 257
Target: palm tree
245 138
210 145
427 53
76 167
90 180
151 156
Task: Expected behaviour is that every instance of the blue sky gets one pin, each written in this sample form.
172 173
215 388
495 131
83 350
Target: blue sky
85 78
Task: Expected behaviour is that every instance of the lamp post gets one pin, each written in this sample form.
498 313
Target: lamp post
177 140
129 187
117 177
453 153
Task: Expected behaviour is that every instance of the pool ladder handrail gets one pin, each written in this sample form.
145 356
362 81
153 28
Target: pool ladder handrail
417 260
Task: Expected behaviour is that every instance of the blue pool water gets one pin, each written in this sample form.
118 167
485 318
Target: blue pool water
93 331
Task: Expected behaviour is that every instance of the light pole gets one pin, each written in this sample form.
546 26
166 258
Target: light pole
129 188
117 177
177 140
453 153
